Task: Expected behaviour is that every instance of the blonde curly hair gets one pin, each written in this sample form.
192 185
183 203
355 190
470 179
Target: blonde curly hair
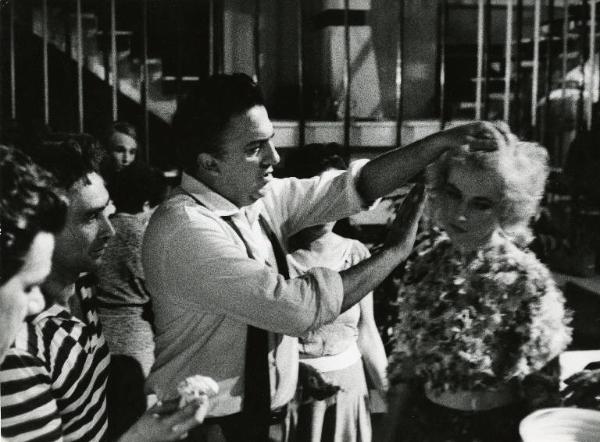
522 169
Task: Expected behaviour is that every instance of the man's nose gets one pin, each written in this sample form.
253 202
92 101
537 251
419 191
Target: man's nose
271 155
107 228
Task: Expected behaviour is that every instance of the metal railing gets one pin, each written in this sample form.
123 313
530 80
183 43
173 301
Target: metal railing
513 57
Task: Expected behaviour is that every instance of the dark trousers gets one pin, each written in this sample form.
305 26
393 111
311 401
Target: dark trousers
125 398
234 428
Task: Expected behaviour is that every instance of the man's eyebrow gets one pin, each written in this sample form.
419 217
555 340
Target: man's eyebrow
262 140
97 209
483 199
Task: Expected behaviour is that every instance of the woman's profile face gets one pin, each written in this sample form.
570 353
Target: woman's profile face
123 149
468 206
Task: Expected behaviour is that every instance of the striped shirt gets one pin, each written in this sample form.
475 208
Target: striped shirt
54 378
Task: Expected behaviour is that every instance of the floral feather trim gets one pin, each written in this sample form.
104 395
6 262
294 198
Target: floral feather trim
475 322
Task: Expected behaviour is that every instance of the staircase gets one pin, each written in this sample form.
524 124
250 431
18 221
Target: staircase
162 99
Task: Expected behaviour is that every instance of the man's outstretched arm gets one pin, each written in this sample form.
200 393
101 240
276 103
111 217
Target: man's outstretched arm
392 169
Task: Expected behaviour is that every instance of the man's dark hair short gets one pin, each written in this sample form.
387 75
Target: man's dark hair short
29 204
70 157
203 114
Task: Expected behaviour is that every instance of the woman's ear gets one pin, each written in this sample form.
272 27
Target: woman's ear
208 163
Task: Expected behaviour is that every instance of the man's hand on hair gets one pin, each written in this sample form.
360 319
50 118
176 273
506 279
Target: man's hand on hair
479 135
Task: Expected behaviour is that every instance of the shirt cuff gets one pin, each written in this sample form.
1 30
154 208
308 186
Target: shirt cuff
329 295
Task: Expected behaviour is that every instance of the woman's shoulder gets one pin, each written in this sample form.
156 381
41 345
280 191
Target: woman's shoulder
508 257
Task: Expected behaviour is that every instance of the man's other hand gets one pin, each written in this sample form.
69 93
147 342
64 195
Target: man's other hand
403 230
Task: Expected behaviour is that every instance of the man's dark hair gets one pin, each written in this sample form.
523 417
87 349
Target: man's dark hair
135 185
70 157
203 114
29 204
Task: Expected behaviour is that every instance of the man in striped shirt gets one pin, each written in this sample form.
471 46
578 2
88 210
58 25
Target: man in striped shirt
54 378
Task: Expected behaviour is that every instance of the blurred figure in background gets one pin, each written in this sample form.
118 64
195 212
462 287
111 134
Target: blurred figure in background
121 144
124 303
343 350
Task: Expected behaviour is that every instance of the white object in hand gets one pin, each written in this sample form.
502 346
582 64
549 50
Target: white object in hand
197 388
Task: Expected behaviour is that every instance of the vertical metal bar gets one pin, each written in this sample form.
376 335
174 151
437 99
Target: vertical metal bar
79 68
179 13
106 60
13 77
211 37
548 70
537 10
113 61
219 46
595 73
399 74
347 76
300 56
582 86
486 58
2 55
256 35
592 65
519 50
145 81
443 11
45 61
478 81
508 59
564 69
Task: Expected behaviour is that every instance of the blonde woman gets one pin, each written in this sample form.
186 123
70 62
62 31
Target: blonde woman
481 321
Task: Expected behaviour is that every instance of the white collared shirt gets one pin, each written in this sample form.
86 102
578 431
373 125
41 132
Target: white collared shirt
206 290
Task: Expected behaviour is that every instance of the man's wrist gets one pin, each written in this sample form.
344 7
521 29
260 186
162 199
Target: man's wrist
439 142
394 254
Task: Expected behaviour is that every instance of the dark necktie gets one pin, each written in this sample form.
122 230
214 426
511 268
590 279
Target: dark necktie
257 387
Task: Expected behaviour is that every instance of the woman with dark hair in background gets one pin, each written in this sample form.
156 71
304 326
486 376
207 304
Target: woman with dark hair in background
342 351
